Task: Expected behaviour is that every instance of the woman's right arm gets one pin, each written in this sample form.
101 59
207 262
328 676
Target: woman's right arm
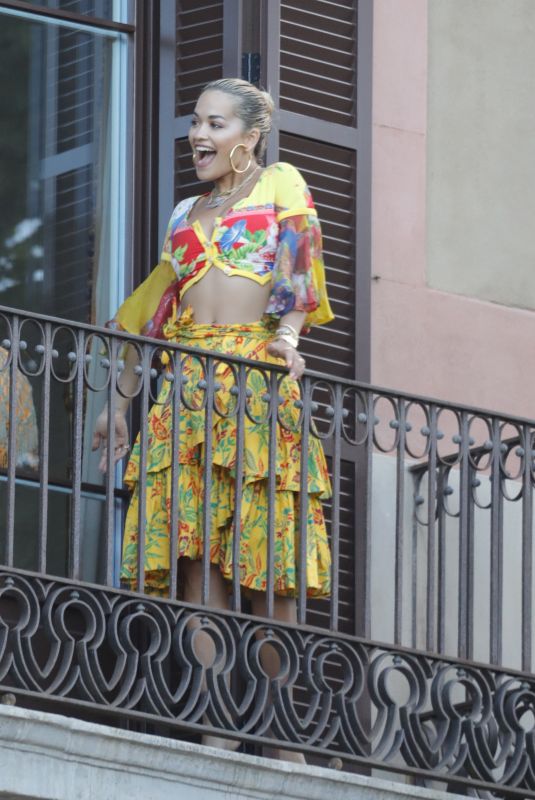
127 382
144 312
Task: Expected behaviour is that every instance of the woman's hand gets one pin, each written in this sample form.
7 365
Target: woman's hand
294 361
100 437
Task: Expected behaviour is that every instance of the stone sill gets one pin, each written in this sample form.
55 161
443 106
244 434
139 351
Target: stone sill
50 757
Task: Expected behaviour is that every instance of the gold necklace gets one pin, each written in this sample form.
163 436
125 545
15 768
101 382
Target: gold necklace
216 200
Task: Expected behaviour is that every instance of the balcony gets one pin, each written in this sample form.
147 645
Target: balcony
419 663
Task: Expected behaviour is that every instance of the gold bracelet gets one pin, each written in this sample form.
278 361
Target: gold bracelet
289 339
288 334
289 328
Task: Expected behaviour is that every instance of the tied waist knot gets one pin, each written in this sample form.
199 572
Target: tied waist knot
183 329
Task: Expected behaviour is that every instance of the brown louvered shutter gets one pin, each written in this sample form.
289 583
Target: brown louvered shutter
74 232
199 49
323 82
324 98
199 59
329 172
317 59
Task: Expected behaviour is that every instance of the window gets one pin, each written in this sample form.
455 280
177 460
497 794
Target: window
63 228
62 160
99 9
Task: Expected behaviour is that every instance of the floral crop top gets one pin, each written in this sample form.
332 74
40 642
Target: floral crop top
273 235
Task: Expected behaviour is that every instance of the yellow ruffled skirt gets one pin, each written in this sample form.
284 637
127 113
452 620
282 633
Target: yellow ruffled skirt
249 341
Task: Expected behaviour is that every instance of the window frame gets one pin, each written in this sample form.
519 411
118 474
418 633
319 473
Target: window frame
68 16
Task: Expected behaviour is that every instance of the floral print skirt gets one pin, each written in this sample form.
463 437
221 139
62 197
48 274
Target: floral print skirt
249 341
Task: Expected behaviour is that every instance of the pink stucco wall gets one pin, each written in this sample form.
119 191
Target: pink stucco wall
426 341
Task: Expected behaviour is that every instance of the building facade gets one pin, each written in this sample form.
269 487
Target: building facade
411 122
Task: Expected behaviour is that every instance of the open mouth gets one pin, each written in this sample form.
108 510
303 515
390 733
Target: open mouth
205 156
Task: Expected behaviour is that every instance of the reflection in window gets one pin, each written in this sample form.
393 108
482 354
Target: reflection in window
24 418
63 96
102 9
58 153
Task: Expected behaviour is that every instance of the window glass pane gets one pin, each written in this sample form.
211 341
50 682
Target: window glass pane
63 155
26 542
118 11
60 158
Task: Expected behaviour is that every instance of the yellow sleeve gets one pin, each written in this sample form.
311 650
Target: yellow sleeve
151 304
295 207
292 195
138 311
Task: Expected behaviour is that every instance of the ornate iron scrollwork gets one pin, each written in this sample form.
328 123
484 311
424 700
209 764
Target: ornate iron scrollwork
395 708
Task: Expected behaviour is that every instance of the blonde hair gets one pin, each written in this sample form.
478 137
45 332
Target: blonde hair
253 106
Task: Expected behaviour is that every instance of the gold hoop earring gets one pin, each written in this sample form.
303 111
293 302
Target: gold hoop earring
231 154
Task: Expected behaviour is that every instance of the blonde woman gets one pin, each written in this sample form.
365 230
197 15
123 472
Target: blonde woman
241 273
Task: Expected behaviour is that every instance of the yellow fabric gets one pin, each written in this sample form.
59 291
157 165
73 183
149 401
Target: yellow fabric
280 182
297 212
292 198
249 341
140 306
213 259
323 313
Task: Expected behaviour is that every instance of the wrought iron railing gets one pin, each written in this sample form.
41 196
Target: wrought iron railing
419 662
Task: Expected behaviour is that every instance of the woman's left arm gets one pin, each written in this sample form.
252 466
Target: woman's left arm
298 295
282 345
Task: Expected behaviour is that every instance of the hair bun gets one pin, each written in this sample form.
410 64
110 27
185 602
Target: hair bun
268 100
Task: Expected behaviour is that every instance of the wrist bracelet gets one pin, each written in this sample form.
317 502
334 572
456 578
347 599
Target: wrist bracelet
288 338
286 327
288 334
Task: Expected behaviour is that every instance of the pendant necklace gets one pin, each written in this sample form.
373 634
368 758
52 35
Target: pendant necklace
216 200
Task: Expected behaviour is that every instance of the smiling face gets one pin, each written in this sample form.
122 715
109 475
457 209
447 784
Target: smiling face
215 130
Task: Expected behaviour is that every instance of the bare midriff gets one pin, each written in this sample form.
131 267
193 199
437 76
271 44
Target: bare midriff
218 298
222 299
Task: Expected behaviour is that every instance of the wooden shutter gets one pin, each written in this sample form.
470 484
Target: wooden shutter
318 611
199 59
318 59
199 49
322 83
330 173
186 183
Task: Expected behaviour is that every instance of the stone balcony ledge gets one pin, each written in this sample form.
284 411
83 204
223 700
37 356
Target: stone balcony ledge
50 757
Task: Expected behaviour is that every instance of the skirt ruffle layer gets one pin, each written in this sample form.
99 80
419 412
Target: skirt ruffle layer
249 341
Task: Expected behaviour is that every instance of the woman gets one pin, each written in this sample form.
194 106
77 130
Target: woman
240 273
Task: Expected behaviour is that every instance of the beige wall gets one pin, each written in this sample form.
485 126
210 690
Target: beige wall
481 149
453 215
